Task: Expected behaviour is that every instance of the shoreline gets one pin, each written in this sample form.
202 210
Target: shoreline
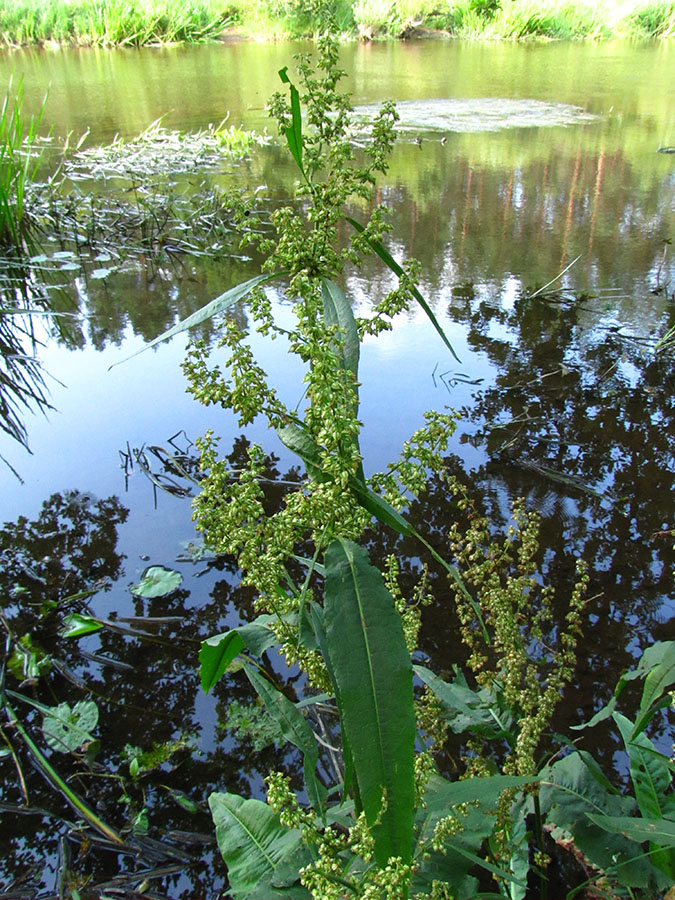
55 24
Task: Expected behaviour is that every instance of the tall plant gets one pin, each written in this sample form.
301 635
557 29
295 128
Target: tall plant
377 819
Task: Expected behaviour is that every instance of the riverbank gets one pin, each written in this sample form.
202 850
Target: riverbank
147 22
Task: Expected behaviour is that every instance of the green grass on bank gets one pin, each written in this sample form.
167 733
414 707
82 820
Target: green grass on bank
113 22
142 22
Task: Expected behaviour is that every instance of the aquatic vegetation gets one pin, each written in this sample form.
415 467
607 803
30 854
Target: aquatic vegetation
516 19
161 151
470 115
19 161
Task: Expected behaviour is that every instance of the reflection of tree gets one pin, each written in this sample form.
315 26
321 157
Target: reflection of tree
147 691
69 548
469 218
582 425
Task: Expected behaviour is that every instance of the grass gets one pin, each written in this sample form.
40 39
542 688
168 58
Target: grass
18 164
517 19
113 22
143 22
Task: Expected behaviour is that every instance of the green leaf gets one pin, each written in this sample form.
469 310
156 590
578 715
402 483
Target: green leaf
373 678
651 778
441 796
215 656
389 260
337 311
294 131
182 800
656 831
299 441
569 796
462 851
257 635
658 661
221 303
255 847
156 581
600 716
219 651
319 626
383 511
479 712
77 625
66 729
295 728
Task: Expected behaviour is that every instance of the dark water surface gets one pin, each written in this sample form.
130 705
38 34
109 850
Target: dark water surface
564 398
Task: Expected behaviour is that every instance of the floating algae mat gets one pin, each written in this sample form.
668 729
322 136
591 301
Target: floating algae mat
479 114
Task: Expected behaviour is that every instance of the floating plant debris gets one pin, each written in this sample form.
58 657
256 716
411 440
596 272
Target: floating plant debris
478 114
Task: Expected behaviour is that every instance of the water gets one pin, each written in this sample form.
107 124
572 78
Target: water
564 400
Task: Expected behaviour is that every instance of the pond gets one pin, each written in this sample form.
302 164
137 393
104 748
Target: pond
529 184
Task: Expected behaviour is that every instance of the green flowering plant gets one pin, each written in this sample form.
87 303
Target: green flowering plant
377 819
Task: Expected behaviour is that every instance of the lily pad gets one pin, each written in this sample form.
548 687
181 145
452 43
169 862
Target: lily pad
66 729
157 581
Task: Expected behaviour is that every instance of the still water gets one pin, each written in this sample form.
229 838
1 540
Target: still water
564 399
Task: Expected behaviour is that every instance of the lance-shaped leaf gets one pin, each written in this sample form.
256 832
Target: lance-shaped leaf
373 677
651 779
658 661
299 441
650 775
389 260
337 311
215 656
220 304
461 852
293 132
657 831
479 712
657 667
262 855
295 729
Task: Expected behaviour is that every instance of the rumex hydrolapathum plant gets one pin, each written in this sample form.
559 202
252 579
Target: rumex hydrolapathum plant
379 821
364 632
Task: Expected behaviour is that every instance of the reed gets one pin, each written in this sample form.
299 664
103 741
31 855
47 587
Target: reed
113 22
18 164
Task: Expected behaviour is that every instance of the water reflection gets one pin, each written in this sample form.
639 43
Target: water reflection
56 565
